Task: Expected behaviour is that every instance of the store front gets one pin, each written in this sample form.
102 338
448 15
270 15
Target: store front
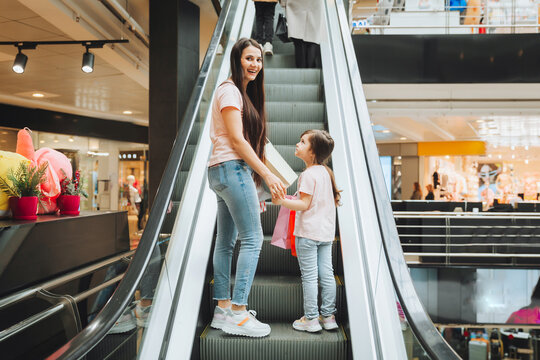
100 161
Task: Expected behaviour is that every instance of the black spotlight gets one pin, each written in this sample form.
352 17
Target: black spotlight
88 62
20 62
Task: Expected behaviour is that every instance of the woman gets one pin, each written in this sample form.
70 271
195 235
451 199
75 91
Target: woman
238 132
430 195
417 193
529 314
304 19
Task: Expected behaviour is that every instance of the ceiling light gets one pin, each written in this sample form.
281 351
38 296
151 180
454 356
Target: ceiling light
372 124
403 138
373 101
38 95
20 62
4 132
526 161
71 139
386 131
479 121
55 139
88 62
127 112
399 157
527 147
513 156
500 156
447 156
512 147
42 141
489 156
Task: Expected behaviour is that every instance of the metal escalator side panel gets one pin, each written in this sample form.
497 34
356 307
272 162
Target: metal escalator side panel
375 330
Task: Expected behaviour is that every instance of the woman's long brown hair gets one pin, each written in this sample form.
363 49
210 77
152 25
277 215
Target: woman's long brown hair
254 111
322 145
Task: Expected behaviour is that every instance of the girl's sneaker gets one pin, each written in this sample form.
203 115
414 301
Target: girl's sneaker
328 322
220 316
304 324
245 324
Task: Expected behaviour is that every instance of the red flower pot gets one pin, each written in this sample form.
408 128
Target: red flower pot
23 208
69 204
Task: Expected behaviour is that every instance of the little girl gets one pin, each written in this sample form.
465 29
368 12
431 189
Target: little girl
315 229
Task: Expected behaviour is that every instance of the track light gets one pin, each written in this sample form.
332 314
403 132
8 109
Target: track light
88 58
88 62
20 62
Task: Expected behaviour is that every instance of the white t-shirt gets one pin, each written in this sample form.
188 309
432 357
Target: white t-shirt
318 222
227 95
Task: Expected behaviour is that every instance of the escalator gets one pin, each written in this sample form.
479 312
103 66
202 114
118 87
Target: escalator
368 262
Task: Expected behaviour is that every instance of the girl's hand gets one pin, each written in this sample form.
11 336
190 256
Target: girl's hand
277 201
277 189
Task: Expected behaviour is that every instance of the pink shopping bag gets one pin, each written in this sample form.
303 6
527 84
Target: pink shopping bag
281 237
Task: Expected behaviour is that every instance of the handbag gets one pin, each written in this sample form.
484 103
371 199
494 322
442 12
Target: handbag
282 31
282 230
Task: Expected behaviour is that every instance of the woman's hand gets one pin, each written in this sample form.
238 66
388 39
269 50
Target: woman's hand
277 201
277 189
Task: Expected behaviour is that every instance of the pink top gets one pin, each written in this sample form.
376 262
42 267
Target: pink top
527 315
227 95
318 222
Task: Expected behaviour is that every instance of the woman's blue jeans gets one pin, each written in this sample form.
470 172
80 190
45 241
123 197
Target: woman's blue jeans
315 260
238 217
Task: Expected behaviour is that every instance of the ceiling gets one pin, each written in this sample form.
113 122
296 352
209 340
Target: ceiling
502 114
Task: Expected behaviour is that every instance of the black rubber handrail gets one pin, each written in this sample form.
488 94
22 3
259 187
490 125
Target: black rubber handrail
98 328
420 322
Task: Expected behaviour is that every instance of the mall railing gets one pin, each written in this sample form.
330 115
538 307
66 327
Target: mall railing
65 301
161 213
462 238
500 18
380 244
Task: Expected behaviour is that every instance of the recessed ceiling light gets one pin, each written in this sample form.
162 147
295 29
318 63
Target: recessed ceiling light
373 101
4 132
42 141
500 156
480 121
489 156
386 131
127 112
513 156
526 161
403 138
372 124
55 139
71 139
447 156
38 95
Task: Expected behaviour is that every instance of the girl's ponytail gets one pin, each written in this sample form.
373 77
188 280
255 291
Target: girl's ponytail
335 190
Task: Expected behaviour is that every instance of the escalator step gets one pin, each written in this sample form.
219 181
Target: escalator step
275 260
280 61
294 76
285 133
279 297
285 111
293 92
283 343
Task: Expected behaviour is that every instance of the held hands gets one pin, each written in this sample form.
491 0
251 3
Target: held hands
277 189
277 201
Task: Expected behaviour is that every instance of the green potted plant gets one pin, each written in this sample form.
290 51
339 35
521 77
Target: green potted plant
23 188
69 200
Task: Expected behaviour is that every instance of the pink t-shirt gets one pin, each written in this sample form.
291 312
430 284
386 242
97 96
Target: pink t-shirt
227 95
318 222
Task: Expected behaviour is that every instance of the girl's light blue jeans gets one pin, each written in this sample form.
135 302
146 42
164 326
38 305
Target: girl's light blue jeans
315 260
238 217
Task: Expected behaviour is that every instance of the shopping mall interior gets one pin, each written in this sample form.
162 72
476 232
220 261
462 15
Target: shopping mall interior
434 108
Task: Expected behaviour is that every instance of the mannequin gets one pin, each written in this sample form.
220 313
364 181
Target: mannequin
134 197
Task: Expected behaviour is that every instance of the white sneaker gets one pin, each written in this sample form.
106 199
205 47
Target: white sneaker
268 49
125 323
220 316
245 324
328 322
304 324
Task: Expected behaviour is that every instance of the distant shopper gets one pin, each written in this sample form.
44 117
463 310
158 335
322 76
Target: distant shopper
430 195
264 24
304 21
417 193
529 314
315 229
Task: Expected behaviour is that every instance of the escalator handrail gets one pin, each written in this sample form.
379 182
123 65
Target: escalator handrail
419 320
83 342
